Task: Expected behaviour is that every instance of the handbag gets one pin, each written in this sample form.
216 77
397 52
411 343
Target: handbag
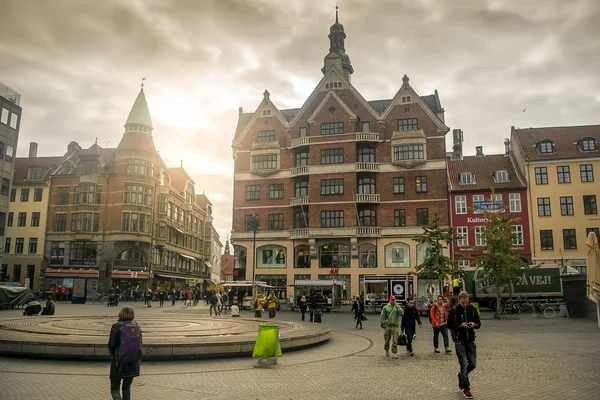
402 339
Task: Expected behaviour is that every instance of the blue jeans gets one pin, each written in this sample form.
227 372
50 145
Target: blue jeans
466 352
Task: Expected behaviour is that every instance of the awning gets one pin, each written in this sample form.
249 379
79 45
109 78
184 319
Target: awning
130 275
185 278
178 230
209 265
209 282
71 273
188 257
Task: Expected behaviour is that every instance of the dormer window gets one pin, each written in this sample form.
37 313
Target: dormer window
466 178
545 147
266 136
36 173
587 144
501 176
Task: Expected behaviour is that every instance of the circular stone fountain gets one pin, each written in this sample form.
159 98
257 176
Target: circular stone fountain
165 337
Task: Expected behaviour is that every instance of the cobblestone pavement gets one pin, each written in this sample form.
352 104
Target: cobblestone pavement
530 358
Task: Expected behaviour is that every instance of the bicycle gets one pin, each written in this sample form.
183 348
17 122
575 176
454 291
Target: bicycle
541 308
101 298
524 304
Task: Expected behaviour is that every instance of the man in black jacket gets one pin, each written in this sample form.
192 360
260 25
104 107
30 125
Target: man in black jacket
463 319
409 324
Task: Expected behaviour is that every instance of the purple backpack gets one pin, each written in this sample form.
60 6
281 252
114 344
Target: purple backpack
130 343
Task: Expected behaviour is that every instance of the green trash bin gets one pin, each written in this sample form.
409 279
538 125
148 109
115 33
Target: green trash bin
266 341
476 305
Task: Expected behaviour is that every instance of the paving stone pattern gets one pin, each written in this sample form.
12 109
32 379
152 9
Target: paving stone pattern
529 358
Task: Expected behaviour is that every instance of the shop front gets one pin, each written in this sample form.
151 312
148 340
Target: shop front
278 283
72 284
166 281
131 283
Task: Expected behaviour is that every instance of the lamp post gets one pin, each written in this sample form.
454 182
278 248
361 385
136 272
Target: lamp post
255 229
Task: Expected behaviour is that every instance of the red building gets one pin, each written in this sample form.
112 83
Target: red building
471 181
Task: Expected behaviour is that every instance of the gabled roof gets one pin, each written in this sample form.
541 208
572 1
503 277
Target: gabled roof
23 163
379 106
484 168
179 178
565 139
202 201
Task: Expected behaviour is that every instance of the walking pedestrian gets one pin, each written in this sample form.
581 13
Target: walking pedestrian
161 297
219 302
372 299
302 305
463 319
190 296
149 295
390 321
258 305
272 304
438 315
125 347
224 300
409 324
213 304
359 310
173 297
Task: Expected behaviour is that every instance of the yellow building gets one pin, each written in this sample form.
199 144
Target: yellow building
26 221
561 165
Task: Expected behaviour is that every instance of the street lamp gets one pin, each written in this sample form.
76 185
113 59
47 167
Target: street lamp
255 228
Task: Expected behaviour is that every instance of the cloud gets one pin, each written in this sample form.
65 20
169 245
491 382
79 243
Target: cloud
78 66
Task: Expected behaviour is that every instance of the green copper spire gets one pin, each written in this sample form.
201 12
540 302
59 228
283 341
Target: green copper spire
139 117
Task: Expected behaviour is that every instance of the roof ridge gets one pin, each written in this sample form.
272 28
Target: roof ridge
558 127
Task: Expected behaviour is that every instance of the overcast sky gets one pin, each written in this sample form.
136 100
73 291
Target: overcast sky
78 66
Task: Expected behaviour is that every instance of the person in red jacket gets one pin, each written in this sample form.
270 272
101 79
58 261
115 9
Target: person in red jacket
438 315
64 291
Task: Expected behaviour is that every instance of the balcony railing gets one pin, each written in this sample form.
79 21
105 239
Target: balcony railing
303 141
367 166
163 189
368 231
366 198
297 171
296 201
367 137
299 233
188 206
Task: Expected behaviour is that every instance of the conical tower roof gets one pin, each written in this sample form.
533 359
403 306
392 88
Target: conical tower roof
139 117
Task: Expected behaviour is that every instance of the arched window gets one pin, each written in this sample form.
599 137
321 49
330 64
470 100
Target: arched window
366 186
239 253
302 256
366 154
367 256
65 168
334 255
131 258
397 255
271 256
367 217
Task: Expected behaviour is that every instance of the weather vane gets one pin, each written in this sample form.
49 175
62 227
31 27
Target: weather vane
143 79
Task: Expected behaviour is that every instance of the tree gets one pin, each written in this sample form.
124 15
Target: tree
500 262
437 238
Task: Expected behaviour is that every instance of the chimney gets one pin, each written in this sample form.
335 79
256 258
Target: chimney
457 135
479 151
506 147
73 146
33 146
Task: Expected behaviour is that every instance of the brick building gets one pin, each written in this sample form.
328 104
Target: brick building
471 180
340 185
120 216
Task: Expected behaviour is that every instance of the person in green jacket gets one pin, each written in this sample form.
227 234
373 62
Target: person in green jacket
390 321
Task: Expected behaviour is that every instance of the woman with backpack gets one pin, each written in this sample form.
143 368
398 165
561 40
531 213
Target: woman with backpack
125 347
